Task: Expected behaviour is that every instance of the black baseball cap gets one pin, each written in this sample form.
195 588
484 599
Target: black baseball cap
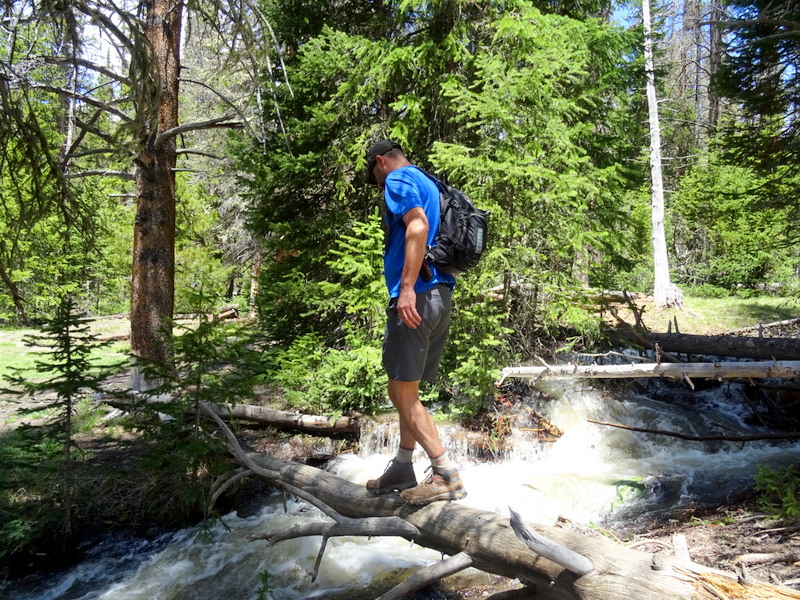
378 149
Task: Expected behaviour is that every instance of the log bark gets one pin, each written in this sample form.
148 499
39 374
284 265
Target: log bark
716 370
735 346
288 420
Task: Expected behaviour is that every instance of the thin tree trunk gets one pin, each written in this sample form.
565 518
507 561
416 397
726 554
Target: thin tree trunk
714 60
153 274
664 293
254 282
13 290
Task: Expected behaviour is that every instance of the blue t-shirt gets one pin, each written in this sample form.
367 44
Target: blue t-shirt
407 188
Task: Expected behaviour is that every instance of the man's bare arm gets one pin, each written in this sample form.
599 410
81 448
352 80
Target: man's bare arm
416 237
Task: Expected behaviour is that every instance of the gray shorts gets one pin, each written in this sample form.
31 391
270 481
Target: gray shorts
414 354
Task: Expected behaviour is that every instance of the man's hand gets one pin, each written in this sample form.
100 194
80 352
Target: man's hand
407 308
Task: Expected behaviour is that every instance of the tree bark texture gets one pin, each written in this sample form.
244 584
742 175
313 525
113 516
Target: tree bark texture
724 345
618 573
734 346
286 420
280 419
153 273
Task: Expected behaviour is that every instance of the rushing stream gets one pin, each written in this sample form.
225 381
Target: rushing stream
591 474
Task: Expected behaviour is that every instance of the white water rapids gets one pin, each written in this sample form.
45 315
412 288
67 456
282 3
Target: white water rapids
590 475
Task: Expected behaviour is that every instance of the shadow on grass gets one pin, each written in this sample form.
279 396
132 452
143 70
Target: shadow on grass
758 311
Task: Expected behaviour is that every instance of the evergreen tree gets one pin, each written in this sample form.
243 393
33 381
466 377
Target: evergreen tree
69 372
523 110
760 76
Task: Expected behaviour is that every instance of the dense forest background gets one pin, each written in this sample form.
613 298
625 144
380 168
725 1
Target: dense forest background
537 110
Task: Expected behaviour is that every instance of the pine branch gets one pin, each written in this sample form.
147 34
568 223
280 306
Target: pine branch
211 123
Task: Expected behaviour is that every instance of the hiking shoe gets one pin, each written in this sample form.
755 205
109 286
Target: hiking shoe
398 476
439 485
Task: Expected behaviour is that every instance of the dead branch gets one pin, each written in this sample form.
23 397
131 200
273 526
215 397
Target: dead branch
75 60
382 526
428 575
176 131
569 559
223 483
101 173
762 326
717 437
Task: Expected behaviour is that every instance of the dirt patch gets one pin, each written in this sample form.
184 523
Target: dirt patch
737 538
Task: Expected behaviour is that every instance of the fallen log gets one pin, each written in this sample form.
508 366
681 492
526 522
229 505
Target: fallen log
769 348
267 416
486 541
761 327
715 370
289 420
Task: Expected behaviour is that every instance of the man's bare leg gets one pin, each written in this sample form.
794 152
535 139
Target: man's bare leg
417 426
416 423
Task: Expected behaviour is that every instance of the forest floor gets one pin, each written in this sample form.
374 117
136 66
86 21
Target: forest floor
735 537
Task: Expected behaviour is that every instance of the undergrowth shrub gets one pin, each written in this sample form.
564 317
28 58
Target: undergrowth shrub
779 491
215 363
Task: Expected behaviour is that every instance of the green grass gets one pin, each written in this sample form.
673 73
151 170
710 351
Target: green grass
20 360
708 316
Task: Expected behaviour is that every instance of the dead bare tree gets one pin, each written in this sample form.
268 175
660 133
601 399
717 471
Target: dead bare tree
665 294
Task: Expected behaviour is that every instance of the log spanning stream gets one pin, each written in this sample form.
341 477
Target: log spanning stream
589 474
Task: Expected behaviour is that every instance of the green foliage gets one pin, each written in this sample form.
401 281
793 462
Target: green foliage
341 371
474 351
726 238
779 491
200 265
759 75
332 381
529 113
264 591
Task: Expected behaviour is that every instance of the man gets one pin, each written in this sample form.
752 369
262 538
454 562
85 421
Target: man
418 321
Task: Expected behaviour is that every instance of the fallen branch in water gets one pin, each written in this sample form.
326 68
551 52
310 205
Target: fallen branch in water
716 437
428 575
373 526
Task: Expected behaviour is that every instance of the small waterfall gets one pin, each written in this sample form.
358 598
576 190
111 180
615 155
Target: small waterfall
594 474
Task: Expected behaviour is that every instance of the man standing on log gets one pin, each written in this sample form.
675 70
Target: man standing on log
418 321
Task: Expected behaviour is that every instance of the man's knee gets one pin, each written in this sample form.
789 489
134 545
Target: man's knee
403 392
